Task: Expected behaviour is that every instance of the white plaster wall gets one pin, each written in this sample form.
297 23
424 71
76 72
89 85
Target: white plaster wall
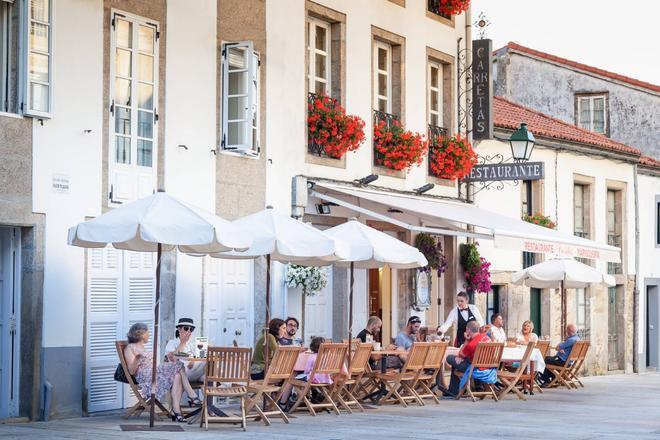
61 147
558 199
191 121
649 254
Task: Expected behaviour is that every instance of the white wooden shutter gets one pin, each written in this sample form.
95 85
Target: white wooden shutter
104 315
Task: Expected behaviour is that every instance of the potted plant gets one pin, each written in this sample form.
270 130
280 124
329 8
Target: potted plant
331 129
451 157
541 220
476 269
396 147
311 280
451 7
432 250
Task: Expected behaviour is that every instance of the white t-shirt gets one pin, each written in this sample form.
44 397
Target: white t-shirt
189 348
498 334
532 337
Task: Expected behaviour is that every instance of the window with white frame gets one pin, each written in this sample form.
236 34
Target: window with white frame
240 98
592 113
579 211
435 94
383 81
319 61
133 114
26 57
582 313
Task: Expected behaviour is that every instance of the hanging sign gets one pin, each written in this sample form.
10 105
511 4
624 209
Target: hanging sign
482 89
507 171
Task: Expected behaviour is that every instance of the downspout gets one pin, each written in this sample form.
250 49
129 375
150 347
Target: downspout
468 98
636 312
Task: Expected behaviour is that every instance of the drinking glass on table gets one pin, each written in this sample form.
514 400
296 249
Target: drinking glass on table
200 346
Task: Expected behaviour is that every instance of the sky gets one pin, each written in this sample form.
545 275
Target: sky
620 36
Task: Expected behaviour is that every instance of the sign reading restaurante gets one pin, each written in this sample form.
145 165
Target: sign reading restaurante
507 171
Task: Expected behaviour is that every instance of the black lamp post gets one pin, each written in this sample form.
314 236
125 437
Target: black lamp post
522 143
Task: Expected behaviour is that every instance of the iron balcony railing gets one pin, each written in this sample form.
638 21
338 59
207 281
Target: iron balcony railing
389 119
434 7
614 268
434 132
312 146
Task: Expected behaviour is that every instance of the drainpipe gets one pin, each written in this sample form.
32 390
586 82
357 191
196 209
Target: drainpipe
636 316
469 189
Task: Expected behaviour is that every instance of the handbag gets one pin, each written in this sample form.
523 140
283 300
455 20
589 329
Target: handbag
120 376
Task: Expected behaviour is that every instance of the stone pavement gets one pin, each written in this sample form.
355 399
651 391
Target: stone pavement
610 407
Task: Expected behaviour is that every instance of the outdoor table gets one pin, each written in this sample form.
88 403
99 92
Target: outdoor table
536 362
383 368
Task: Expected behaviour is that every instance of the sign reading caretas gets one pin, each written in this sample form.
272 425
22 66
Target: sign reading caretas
482 89
507 171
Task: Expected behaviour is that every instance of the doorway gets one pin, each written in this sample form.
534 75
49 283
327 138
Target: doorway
535 309
380 301
612 333
9 320
652 327
228 303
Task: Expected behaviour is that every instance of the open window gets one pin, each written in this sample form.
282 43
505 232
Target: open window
240 98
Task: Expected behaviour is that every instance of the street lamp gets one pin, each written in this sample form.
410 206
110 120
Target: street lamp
522 143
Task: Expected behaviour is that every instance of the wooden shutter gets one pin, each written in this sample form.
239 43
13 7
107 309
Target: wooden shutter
104 328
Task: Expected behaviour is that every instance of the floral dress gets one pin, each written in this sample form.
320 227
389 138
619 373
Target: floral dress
164 375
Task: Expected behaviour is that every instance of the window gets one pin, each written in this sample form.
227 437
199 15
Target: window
528 258
383 80
433 6
319 61
25 57
133 115
240 98
435 94
657 221
591 113
492 302
582 313
613 226
579 211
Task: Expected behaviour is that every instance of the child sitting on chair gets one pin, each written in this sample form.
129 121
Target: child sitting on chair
314 347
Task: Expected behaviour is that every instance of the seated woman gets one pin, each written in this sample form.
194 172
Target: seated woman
276 330
527 335
170 376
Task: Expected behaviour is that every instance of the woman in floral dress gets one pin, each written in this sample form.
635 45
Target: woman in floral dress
170 377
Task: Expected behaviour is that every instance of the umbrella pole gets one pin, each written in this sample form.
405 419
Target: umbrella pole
266 354
563 310
152 403
350 317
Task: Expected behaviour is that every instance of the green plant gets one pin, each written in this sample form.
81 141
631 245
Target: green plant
470 257
432 250
541 220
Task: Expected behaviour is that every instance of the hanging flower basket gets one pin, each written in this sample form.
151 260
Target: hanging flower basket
451 157
398 148
541 220
311 279
452 7
331 129
432 250
477 269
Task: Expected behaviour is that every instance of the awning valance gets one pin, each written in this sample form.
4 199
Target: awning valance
507 232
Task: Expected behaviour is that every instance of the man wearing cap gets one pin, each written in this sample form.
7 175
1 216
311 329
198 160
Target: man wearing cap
184 343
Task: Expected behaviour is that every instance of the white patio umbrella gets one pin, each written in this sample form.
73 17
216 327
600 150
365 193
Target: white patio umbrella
282 238
561 273
370 249
155 223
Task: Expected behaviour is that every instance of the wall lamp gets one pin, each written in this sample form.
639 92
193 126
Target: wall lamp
366 179
424 188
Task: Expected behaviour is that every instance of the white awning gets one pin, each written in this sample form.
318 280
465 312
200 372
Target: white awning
507 232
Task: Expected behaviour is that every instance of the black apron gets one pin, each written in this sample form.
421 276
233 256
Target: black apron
461 325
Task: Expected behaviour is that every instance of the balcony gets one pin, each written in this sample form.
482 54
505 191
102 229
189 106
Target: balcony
313 147
614 268
389 119
434 132
433 6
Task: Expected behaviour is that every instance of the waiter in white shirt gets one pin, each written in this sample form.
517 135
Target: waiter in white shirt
184 343
461 315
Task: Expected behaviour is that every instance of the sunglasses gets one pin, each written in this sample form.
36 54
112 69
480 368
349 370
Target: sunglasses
186 328
415 321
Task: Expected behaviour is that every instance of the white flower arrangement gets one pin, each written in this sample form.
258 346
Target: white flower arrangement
311 279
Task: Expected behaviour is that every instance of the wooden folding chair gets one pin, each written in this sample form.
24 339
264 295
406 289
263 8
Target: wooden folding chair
432 368
561 372
329 360
359 365
572 374
280 372
227 375
543 347
143 403
511 378
487 355
399 384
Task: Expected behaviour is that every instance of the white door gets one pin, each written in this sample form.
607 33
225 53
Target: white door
228 301
120 293
318 312
9 323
